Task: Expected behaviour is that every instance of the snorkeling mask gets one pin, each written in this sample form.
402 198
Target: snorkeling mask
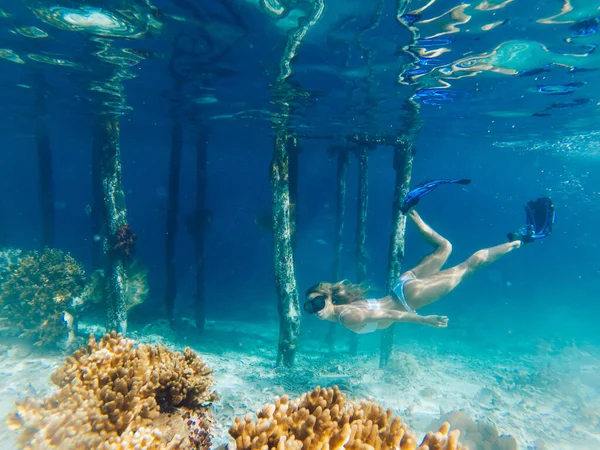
315 304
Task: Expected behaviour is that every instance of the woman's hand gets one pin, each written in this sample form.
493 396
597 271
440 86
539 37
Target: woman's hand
436 321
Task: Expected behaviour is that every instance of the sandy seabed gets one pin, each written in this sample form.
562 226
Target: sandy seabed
547 399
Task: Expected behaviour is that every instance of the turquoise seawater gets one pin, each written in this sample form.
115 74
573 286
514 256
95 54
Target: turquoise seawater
200 95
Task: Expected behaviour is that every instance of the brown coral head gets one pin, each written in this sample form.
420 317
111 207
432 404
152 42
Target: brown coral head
41 295
122 243
114 394
324 419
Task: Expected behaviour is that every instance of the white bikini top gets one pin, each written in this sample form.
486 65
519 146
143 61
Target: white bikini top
369 327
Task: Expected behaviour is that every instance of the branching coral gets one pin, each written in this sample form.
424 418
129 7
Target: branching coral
114 395
324 419
41 295
8 257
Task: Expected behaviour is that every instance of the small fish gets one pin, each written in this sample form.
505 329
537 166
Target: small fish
321 242
424 188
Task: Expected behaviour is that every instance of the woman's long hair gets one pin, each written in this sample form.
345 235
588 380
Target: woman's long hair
341 293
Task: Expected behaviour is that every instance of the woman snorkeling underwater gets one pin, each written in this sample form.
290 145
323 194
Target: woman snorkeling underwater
345 302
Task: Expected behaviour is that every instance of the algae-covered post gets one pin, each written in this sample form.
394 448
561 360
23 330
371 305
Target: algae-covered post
97 201
294 151
361 227
342 168
119 240
199 226
45 183
363 204
403 156
404 151
180 43
171 225
45 169
285 277
283 251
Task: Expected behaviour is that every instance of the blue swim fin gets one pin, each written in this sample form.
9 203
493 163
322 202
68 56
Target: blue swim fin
540 216
412 198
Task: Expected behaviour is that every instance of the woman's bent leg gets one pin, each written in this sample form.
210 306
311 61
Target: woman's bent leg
422 292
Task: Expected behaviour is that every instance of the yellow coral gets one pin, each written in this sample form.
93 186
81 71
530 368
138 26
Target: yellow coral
324 419
114 395
38 289
146 438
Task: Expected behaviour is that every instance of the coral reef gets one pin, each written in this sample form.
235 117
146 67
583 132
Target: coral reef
112 394
41 295
324 419
8 257
478 435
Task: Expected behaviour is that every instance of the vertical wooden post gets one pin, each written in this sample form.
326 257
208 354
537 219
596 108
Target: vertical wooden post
283 251
285 277
115 217
403 158
363 205
199 229
171 225
361 229
45 168
97 202
342 166
293 151
45 183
